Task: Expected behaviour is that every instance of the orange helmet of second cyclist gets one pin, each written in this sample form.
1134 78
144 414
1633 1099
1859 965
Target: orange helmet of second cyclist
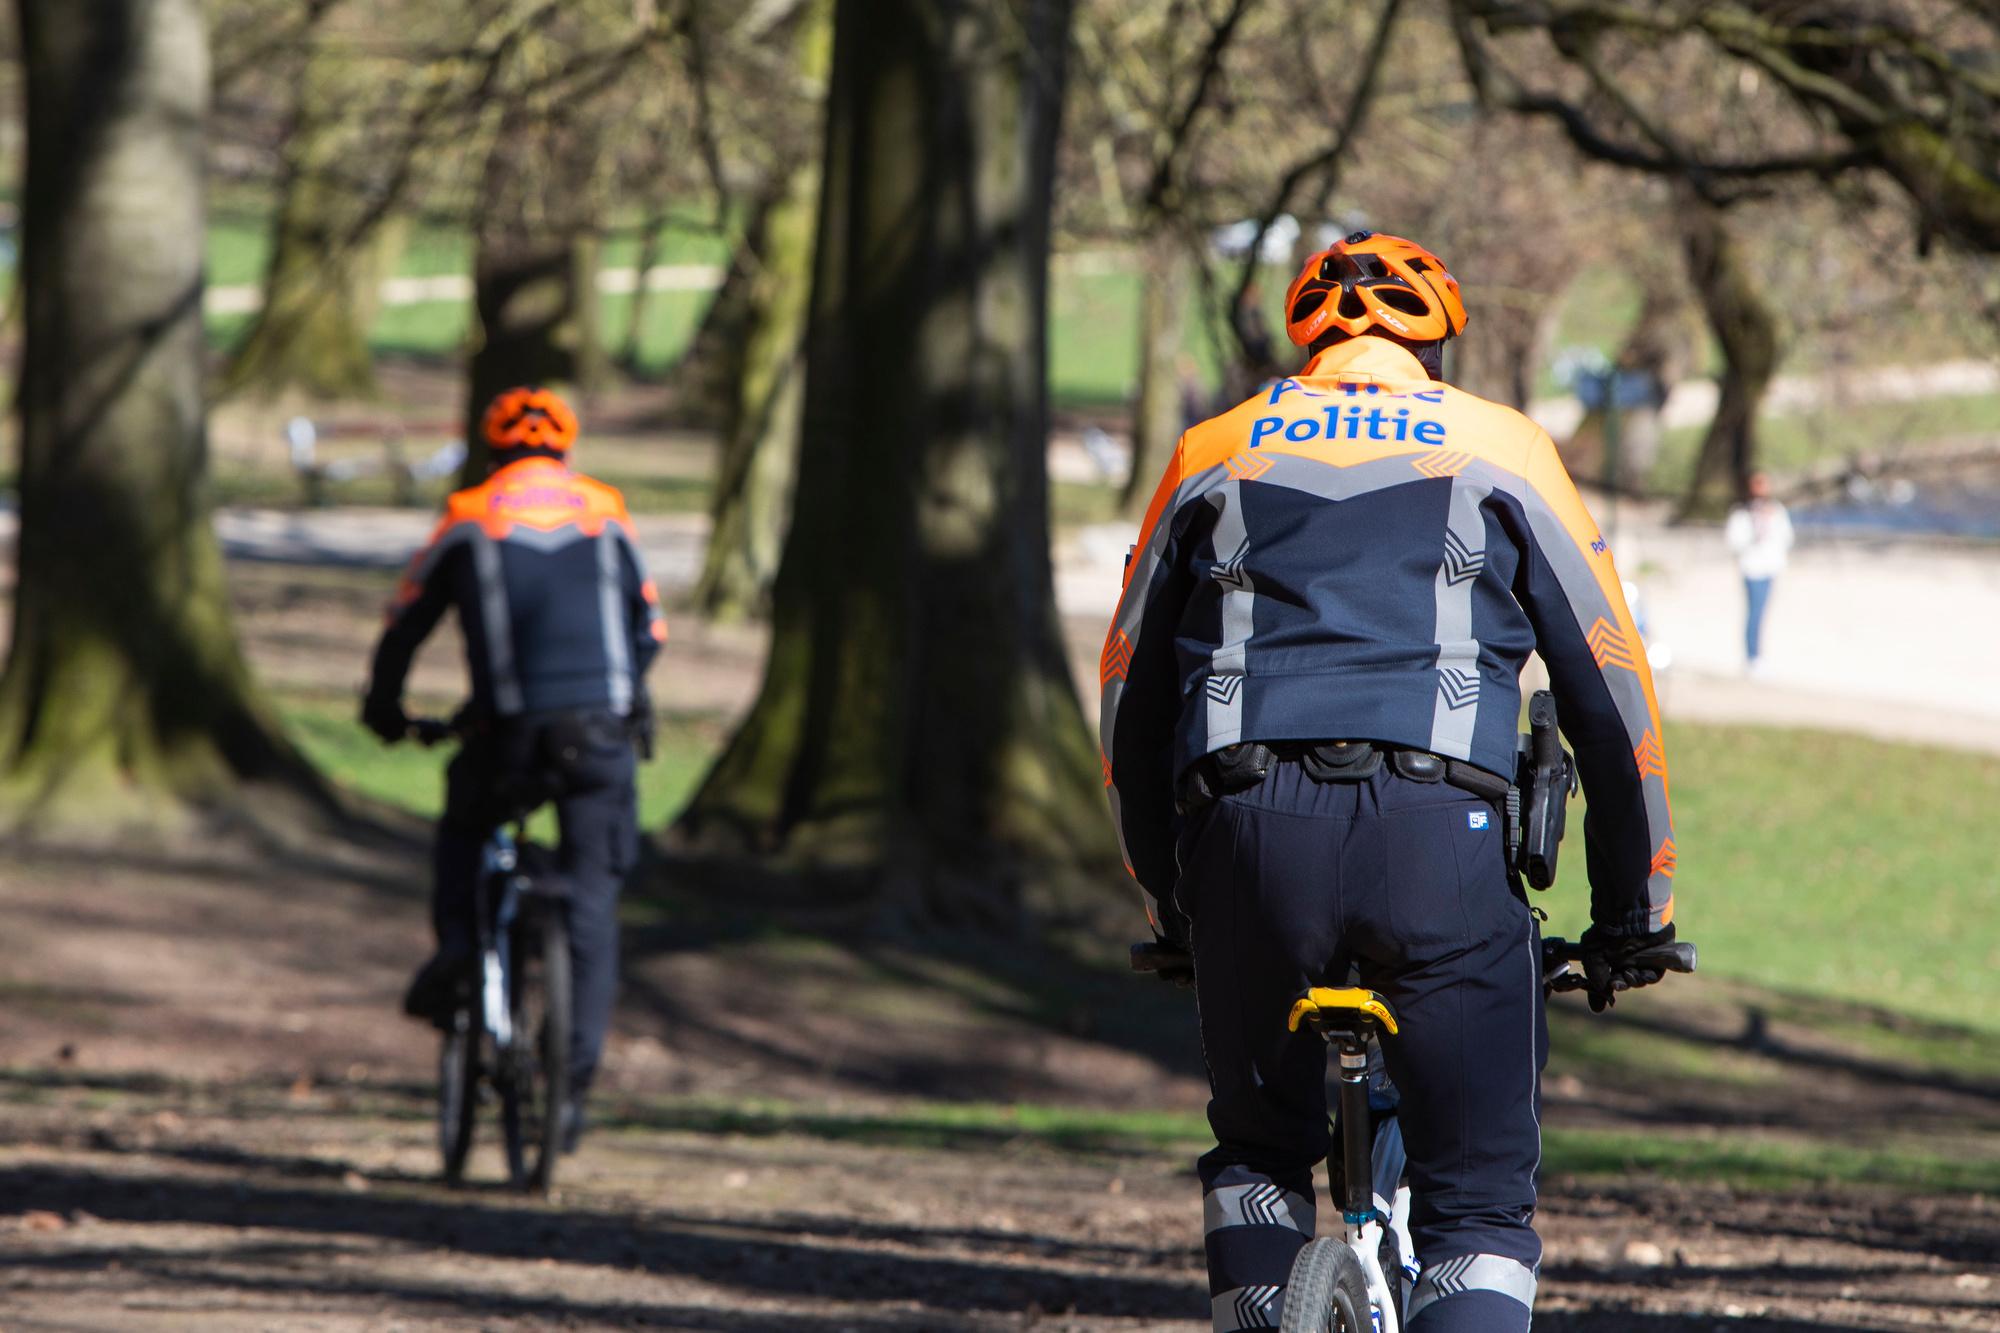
528 418
1374 283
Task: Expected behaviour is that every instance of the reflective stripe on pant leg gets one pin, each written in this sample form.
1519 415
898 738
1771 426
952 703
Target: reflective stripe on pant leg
1252 1308
1253 1228
1463 1277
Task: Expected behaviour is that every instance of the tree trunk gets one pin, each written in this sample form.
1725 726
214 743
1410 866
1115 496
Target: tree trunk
1748 331
760 445
329 254
1157 415
712 366
918 736
124 694
760 438
533 270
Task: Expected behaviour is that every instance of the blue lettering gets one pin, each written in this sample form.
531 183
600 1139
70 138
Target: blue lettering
1429 395
1428 432
1283 387
1302 430
1265 426
1402 424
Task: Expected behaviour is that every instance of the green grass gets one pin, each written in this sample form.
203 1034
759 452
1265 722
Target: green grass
1832 866
1738 1158
412 778
1812 865
1750 1160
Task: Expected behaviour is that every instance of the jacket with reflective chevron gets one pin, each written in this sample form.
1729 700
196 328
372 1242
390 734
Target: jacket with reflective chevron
551 594
1360 552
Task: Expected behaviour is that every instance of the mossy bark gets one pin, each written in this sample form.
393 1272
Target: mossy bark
124 695
709 371
331 247
1749 334
918 735
760 445
534 271
1156 411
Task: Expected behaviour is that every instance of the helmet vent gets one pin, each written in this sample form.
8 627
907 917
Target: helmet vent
1351 305
1402 299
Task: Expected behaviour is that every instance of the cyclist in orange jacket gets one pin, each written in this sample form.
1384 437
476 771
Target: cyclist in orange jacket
560 623
1310 705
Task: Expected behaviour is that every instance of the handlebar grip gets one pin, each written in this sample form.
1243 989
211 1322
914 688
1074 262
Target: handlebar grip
428 731
1157 957
1678 957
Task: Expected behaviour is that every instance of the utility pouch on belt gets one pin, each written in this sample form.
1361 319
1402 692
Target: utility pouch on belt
1547 775
1233 768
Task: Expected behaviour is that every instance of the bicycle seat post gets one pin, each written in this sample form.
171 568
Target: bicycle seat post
1348 1020
1357 1145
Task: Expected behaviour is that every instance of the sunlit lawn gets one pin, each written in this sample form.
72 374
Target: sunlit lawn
1812 863
1831 865
412 778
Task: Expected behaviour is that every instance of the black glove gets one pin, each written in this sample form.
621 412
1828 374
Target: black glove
1170 962
385 717
643 723
1608 965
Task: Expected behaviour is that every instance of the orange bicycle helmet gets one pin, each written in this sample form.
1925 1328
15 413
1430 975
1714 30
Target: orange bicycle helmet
527 418
1374 282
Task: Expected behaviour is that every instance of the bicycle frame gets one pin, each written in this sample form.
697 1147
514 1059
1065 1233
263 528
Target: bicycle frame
496 935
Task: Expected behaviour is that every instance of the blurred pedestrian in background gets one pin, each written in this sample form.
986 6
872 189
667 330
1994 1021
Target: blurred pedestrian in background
1760 533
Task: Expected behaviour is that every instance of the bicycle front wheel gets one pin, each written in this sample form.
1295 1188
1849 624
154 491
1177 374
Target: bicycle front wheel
538 1085
458 1094
1328 1292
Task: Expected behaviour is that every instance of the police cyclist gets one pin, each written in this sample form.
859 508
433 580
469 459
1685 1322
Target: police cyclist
1310 707
560 623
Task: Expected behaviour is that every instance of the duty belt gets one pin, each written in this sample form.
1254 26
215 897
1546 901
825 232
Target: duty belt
1237 768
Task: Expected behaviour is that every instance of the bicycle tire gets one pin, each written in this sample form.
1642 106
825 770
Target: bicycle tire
538 1084
1328 1291
458 1095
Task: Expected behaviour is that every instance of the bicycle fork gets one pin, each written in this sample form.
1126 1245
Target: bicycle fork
1361 1220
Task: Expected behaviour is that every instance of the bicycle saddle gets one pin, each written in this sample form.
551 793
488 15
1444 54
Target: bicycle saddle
1348 1010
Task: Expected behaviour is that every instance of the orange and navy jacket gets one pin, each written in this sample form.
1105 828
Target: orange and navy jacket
1360 552
550 590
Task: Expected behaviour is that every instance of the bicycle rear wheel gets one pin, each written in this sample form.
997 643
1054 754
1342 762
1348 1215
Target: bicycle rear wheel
537 1088
1328 1292
458 1094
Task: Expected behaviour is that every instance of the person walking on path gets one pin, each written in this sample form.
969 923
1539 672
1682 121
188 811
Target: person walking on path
1760 534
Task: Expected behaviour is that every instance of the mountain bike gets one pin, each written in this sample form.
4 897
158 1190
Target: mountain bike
1361 1280
508 1037
1343 1284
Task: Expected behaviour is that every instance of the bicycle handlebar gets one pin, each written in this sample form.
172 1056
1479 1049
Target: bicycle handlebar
429 731
1158 957
1557 955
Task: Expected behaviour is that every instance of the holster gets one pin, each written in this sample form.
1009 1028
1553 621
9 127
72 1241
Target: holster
1546 776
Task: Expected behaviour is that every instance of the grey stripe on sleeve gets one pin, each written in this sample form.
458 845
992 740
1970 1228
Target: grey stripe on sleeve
499 625
1224 686
1456 713
611 610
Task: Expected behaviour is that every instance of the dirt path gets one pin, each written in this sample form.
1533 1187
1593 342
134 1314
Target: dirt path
134 1210
212 1121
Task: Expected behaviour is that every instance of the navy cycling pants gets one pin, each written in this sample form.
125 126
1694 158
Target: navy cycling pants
1297 883
583 763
